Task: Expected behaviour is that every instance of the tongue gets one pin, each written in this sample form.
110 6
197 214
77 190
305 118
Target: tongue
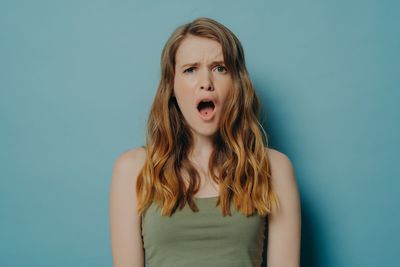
206 111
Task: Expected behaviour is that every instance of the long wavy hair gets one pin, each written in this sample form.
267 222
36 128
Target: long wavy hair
239 163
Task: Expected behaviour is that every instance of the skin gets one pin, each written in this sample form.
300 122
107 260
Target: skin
200 72
125 224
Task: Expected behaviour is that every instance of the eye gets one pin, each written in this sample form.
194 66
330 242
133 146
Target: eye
221 69
189 70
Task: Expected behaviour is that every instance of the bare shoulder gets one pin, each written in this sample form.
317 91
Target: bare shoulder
281 165
125 231
284 224
284 181
129 163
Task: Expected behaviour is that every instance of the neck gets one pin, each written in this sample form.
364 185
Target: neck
202 148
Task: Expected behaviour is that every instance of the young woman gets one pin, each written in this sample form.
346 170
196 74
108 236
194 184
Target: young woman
205 186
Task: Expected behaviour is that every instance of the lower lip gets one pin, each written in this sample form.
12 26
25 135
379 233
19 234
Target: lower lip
207 117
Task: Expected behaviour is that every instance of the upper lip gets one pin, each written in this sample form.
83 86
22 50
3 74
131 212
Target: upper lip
206 98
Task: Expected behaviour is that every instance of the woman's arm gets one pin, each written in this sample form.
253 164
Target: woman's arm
125 223
284 225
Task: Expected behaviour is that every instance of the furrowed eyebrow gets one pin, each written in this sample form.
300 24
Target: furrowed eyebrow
196 64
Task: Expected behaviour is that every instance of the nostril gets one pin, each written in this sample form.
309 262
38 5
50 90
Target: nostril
208 88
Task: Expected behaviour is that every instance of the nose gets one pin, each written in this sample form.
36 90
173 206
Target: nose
206 82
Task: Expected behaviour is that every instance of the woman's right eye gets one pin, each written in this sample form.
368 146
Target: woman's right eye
189 69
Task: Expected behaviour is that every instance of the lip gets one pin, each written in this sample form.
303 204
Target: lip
209 117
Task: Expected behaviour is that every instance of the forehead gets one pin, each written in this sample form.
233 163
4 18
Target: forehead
196 49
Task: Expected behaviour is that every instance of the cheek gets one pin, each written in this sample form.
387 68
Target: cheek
178 88
183 89
226 89
182 96
180 84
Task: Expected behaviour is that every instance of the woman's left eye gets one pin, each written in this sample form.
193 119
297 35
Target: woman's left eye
221 68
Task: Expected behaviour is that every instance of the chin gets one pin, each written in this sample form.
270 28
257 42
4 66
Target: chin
205 132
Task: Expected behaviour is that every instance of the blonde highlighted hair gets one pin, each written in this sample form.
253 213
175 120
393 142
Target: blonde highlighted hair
239 162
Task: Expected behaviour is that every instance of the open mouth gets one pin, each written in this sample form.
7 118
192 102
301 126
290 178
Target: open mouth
206 109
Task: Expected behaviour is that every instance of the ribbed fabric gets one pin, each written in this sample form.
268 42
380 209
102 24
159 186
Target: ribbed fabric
204 238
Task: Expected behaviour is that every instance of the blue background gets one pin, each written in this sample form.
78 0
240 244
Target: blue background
77 79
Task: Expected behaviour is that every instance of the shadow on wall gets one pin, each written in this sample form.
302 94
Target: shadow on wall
310 251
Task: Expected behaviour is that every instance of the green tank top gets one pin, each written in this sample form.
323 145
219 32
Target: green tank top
203 238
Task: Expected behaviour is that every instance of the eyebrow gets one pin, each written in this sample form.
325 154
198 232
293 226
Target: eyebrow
196 63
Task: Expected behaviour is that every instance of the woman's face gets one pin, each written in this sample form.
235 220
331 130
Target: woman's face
201 77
